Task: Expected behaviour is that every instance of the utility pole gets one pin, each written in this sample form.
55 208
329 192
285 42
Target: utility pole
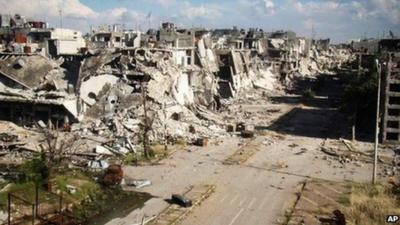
311 39
312 31
379 68
353 127
61 21
149 20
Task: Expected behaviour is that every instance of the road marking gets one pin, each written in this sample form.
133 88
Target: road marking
324 196
263 203
332 189
223 198
251 203
309 200
234 199
237 216
215 197
241 202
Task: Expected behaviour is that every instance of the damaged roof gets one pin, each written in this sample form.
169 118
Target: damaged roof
27 70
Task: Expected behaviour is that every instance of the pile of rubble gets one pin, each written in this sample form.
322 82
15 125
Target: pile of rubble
344 152
161 86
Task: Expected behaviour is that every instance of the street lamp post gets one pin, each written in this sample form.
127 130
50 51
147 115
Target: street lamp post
379 68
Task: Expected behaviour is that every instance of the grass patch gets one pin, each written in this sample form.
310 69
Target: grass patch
156 151
370 204
344 200
129 159
89 199
109 204
27 190
84 185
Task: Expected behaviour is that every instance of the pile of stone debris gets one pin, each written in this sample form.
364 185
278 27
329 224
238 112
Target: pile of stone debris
346 152
114 98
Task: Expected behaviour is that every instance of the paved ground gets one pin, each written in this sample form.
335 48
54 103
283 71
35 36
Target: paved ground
258 191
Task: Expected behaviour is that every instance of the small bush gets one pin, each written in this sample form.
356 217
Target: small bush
129 159
152 153
308 94
36 170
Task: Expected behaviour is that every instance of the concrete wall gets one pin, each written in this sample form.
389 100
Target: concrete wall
69 46
67 41
59 33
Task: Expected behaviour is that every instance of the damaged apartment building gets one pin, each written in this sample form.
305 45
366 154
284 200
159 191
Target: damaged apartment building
34 87
385 51
174 77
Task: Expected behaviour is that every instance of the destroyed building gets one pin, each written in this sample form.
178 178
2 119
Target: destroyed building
107 37
100 85
391 115
26 99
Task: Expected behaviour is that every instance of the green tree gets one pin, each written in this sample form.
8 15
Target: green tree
359 97
36 170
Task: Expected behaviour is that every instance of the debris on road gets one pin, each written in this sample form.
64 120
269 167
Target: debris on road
279 165
181 200
202 142
173 214
119 96
137 183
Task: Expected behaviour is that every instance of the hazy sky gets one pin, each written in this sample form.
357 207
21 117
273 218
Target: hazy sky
338 19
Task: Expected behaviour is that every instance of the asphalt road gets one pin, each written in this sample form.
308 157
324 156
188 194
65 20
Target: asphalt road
256 192
261 189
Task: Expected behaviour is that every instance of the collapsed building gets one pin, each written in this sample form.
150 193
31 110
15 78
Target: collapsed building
116 82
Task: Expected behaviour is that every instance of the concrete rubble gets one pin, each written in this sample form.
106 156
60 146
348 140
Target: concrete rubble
176 81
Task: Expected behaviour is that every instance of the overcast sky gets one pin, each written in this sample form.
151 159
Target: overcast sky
338 19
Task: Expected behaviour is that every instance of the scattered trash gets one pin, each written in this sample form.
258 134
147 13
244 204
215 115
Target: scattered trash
41 124
279 165
302 151
268 142
71 189
138 183
98 164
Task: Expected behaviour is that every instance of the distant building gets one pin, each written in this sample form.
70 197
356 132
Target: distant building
21 35
181 41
